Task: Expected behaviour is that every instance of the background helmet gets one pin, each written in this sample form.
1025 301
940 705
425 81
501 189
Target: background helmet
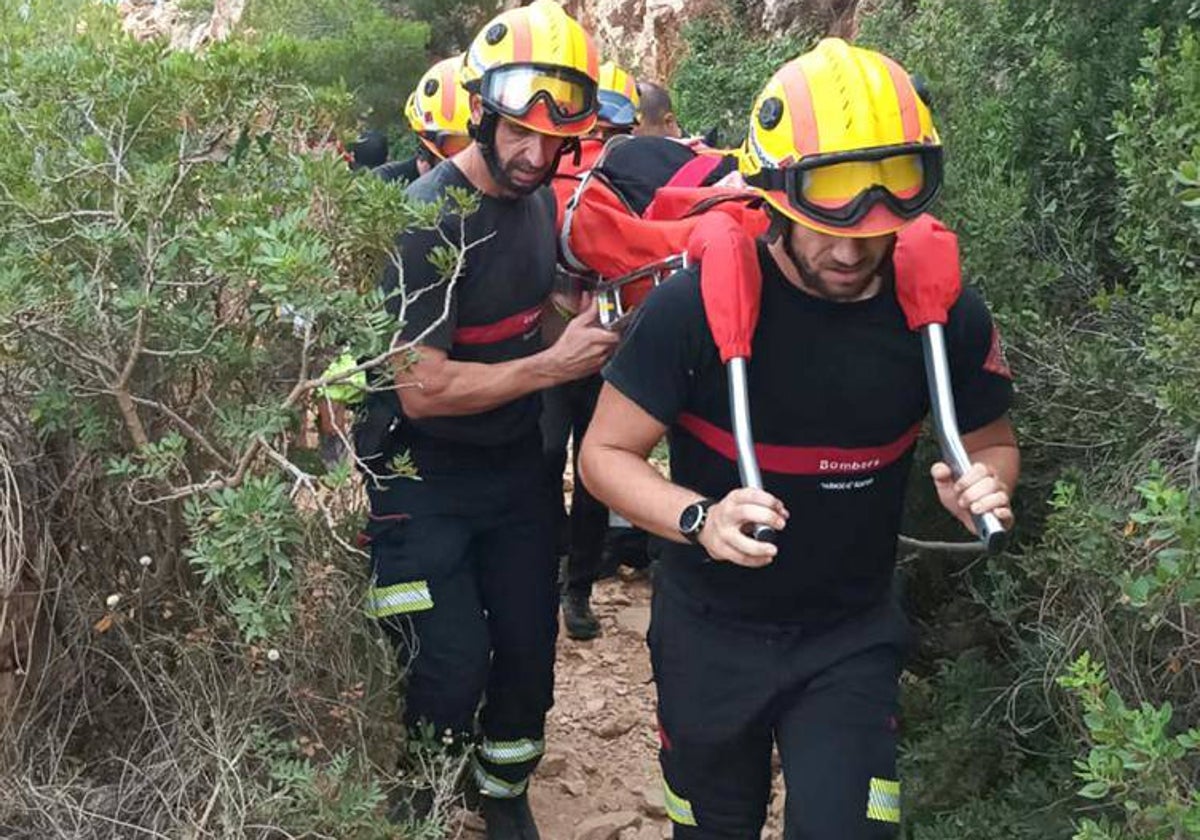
536 66
841 142
618 94
439 110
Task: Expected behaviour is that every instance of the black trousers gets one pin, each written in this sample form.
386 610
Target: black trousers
465 586
729 690
566 410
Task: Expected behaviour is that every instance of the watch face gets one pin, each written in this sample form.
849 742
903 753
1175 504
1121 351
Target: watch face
690 518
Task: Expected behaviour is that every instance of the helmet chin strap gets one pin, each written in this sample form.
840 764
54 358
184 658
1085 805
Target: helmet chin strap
781 231
484 136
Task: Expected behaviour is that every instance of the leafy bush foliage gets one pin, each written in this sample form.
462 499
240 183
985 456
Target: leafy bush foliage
358 44
183 249
721 74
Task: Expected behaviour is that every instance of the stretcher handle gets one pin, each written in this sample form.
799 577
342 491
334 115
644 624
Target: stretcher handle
941 396
739 409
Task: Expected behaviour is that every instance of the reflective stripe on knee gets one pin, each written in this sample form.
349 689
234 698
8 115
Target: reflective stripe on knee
511 752
398 598
883 800
678 808
495 787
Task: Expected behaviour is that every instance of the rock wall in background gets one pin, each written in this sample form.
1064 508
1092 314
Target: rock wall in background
647 35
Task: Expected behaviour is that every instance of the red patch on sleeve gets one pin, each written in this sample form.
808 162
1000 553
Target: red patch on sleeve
996 362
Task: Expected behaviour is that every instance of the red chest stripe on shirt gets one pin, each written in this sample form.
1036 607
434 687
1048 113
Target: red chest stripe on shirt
803 460
510 327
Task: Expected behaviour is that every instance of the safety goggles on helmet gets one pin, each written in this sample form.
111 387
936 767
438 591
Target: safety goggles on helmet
445 143
568 95
616 109
840 189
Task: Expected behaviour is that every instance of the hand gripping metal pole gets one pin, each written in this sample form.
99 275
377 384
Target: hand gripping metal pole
739 409
941 397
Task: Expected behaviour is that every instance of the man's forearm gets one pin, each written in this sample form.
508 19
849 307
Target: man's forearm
461 388
631 486
1004 460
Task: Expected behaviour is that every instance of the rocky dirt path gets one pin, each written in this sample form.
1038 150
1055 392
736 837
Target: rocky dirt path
599 779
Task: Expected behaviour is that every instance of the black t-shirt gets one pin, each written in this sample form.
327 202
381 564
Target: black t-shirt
491 313
404 171
838 395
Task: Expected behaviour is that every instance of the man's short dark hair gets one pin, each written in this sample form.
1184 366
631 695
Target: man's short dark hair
655 102
369 150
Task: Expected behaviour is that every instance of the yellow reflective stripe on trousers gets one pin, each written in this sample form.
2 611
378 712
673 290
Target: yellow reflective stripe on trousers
511 752
678 808
883 800
413 596
490 785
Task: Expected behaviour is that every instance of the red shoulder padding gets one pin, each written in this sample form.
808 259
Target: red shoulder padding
693 173
730 282
928 272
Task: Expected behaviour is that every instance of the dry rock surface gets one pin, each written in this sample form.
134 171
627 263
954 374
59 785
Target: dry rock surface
647 35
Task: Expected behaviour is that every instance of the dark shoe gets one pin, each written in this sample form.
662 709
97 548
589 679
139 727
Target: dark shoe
411 806
333 452
624 547
581 623
509 819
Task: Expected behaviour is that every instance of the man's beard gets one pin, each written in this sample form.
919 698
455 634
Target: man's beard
540 178
813 280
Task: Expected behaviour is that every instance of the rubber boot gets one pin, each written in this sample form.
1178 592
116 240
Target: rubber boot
411 806
580 621
509 819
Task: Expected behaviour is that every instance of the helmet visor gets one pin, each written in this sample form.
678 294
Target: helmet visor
617 109
513 91
444 143
839 190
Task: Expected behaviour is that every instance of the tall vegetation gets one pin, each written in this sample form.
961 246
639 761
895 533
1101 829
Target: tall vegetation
182 251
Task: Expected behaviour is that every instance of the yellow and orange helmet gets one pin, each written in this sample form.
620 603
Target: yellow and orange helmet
841 142
619 102
536 66
439 110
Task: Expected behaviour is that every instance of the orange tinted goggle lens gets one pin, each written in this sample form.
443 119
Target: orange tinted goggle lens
452 144
445 145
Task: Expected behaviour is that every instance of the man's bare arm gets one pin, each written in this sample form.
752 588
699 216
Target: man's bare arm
988 485
613 465
436 386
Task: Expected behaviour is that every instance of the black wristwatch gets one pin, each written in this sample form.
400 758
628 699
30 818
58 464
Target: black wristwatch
691 521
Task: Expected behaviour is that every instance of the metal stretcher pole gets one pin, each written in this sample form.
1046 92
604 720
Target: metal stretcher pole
941 397
743 435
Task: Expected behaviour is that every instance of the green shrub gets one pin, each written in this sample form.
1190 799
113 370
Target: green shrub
1134 760
722 72
182 250
359 44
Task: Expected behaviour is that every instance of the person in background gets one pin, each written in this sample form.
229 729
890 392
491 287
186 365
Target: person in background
438 112
657 115
568 407
369 150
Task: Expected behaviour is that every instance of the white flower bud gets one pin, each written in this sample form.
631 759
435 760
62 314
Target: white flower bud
144 561
112 600
273 655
